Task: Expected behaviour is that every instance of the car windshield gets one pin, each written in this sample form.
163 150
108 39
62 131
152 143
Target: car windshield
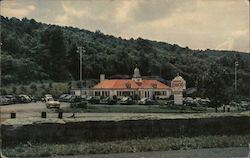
51 99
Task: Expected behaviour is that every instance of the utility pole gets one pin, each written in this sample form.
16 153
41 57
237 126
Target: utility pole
80 50
236 64
1 155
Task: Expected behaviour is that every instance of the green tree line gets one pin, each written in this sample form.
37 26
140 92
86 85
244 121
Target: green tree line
38 52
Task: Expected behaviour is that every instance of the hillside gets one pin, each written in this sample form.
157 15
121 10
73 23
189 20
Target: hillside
37 52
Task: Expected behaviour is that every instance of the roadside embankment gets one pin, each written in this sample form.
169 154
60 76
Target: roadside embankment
16 131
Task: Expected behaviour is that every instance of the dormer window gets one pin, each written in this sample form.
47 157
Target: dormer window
128 85
154 85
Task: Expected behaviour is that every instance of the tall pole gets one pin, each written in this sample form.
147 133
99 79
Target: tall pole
81 67
235 79
1 154
80 50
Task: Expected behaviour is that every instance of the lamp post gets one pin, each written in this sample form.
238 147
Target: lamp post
236 64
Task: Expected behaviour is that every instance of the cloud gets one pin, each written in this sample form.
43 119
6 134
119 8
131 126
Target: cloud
14 9
150 10
198 24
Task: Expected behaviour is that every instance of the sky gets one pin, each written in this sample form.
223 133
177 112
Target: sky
198 24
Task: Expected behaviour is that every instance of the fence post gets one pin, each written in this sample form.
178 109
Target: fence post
60 114
43 114
12 115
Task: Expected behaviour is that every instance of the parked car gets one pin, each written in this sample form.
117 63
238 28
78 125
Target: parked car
12 99
50 102
23 99
203 102
94 100
146 101
3 100
37 98
75 98
62 97
67 98
245 105
108 101
127 101
88 98
169 102
78 102
190 102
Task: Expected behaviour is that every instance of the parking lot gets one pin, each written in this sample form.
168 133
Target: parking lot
29 110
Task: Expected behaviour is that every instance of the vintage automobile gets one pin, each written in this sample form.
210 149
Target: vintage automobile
50 102
94 100
146 101
62 97
23 98
127 101
78 102
245 105
12 99
108 101
67 98
4 101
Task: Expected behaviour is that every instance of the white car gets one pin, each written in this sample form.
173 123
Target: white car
50 102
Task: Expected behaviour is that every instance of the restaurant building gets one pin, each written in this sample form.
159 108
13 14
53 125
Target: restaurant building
136 86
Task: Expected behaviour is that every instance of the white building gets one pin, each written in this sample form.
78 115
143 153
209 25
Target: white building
131 87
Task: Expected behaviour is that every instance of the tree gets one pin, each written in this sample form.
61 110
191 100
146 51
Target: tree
23 90
215 87
3 91
33 88
56 59
14 89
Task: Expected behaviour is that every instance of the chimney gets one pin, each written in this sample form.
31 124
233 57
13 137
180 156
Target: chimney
102 77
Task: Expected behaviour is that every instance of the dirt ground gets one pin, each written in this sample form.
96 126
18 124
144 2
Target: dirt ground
32 112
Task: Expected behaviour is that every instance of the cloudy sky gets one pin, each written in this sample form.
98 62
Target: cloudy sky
198 24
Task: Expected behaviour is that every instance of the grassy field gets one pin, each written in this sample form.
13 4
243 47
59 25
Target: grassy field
146 144
143 109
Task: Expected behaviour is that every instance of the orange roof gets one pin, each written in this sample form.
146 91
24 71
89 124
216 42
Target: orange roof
126 84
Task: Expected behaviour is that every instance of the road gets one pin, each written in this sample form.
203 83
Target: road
236 152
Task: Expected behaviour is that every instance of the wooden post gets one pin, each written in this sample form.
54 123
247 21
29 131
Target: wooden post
43 115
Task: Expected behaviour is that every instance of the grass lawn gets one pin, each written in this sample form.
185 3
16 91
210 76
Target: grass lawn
146 144
138 109
99 108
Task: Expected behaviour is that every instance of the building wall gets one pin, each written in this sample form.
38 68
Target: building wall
149 93
142 93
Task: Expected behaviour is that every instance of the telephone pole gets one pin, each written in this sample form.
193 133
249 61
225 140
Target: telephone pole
236 64
80 50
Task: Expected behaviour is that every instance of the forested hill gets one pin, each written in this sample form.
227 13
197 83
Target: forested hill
35 52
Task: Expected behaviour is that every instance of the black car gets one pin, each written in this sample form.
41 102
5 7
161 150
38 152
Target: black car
67 98
23 99
11 99
108 101
78 102
4 100
127 101
94 100
62 97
